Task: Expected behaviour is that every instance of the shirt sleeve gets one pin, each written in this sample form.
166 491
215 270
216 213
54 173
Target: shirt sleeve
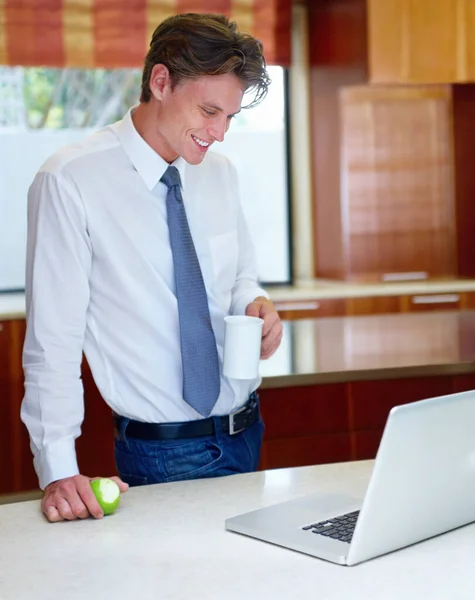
58 265
246 287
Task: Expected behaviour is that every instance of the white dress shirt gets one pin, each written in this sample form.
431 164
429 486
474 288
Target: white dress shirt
100 280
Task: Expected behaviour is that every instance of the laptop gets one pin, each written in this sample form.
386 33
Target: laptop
422 485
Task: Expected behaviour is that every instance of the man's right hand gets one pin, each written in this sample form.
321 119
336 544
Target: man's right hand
72 498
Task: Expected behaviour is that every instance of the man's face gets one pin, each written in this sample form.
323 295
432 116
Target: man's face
196 114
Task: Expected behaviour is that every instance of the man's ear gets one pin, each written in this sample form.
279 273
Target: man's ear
160 81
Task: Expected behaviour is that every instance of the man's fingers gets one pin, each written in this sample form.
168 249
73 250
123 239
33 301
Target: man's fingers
64 509
52 514
271 341
88 498
252 310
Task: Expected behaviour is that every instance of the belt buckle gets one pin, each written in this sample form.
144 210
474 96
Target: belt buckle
232 430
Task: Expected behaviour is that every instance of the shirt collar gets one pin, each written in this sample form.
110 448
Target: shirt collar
149 165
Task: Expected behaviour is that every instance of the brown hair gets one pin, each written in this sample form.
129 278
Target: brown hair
193 44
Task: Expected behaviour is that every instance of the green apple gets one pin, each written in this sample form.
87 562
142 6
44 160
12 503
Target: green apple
107 493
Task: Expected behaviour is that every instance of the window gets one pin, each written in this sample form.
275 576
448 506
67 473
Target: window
42 110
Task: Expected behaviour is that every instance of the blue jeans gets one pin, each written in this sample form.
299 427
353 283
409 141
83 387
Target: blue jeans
141 462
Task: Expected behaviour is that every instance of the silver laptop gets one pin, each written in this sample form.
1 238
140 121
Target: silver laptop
422 485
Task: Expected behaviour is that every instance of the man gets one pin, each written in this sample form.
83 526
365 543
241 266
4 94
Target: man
137 250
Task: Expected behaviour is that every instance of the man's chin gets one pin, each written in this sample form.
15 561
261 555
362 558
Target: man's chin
195 159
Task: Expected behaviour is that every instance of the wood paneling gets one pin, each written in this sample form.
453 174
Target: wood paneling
16 469
393 40
338 33
371 401
296 452
304 424
337 46
373 305
397 203
309 309
463 100
311 410
383 182
95 446
402 34
368 404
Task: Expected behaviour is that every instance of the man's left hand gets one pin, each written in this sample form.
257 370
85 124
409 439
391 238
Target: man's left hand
272 327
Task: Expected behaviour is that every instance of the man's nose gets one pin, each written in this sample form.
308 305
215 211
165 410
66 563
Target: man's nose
218 130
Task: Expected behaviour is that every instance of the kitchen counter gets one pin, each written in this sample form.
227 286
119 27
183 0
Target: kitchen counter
341 349
12 305
168 542
323 288
352 348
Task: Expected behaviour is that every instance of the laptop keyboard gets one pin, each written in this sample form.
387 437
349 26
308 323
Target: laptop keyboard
338 528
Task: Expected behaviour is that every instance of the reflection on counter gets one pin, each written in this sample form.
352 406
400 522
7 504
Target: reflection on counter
369 343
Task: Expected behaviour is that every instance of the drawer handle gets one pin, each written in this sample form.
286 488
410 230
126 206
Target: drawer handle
409 276
436 299
297 306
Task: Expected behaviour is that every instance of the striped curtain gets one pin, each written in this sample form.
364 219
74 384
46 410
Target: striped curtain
116 33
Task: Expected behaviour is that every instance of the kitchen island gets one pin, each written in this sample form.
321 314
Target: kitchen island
325 394
168 542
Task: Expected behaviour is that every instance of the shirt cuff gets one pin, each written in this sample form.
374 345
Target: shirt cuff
57 461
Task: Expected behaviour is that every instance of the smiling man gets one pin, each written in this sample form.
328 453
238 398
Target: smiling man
137 250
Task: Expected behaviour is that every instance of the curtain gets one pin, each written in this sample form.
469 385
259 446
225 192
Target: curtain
116 33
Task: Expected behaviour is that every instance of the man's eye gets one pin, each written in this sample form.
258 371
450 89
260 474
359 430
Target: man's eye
210 113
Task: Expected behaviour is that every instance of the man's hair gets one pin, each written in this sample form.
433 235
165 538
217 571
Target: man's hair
193 44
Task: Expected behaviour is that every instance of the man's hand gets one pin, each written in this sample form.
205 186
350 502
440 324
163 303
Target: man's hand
72 498
272 327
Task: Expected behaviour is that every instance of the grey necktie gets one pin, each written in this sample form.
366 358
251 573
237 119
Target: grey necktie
199 355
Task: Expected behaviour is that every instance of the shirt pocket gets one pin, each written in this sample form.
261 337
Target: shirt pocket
224 256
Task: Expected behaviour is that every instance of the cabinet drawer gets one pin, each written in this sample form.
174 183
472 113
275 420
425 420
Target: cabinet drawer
308 309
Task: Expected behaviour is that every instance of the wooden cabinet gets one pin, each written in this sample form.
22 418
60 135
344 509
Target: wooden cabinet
16 466
395 41
463 102
421 41
373 305
339 422
305 425
392 173
397 200
385 209
94 447
310 309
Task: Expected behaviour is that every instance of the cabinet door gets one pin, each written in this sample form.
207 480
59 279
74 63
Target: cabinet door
421 41
6 401
398 199
16 462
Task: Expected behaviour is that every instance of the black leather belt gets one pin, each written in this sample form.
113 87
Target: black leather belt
232 424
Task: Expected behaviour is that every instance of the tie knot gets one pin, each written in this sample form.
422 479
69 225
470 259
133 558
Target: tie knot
171 177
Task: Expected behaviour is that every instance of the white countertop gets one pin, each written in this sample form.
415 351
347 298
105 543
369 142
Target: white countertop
168 542
322 288
12 305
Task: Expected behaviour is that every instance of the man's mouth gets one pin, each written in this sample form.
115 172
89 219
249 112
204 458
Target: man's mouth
200 143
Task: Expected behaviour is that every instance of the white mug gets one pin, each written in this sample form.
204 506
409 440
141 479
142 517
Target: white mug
242 346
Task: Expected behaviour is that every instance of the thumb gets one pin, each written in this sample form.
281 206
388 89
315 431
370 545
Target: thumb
252 310
123 487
